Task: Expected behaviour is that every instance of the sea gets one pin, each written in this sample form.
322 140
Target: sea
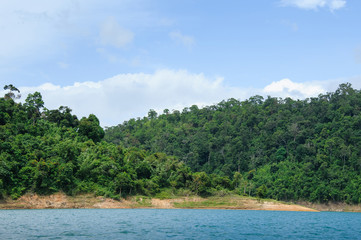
176 224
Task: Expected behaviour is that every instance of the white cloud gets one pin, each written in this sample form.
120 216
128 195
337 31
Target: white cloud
180 38
111 33
126 96
287 88
315 4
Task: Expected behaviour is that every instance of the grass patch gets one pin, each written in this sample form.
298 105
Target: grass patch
206 203
141 201
165 194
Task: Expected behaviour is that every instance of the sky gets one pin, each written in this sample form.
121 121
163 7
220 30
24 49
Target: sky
118 59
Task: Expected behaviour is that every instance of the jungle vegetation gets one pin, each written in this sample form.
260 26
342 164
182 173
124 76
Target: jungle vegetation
278 148
275 148
46 151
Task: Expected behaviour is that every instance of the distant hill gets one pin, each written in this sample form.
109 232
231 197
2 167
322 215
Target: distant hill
281 148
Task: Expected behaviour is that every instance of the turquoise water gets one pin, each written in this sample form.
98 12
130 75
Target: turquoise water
176 224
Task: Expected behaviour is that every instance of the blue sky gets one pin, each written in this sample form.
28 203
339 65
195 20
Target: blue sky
118 59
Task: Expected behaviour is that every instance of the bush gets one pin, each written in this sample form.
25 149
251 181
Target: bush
261 191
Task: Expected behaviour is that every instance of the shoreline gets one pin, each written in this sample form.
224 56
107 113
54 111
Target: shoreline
232 202
88 201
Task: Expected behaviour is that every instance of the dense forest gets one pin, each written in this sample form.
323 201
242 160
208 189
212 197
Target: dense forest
278 148
45 151
283 149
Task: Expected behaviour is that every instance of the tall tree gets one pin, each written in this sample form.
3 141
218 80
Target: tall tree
90 128
11 94
33 105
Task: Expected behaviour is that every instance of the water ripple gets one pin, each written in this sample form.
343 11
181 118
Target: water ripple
176 224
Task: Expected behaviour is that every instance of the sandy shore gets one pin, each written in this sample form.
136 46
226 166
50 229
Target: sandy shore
61 201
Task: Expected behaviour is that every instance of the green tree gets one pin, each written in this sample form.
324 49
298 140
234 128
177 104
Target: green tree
11 94
200 183
90 128
33 105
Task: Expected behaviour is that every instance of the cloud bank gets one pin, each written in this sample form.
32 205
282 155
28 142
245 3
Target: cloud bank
119 98
287 88
126 96
315 4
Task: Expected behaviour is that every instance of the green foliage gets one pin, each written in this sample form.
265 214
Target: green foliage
269 148
62 117
11 94
200 183
89 127
33 105
279 148
166 193
261 191
46 151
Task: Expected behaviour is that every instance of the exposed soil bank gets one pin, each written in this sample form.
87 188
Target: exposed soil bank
61 201
332 207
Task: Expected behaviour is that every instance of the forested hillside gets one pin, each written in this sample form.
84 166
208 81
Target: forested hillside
280 148
277 148
45 151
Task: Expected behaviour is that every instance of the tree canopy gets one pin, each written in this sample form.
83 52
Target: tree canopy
283 148
46 151
265 147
